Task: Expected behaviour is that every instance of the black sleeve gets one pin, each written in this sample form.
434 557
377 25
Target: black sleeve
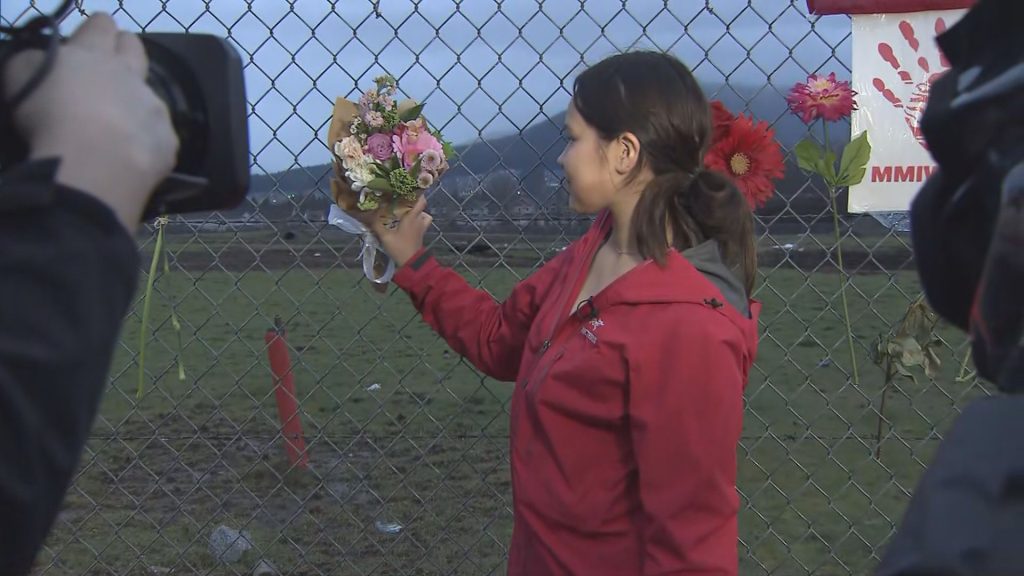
966 517
68 271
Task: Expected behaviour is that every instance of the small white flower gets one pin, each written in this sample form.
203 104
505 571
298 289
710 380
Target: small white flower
368 98
360 172
375 119
425 179
431 160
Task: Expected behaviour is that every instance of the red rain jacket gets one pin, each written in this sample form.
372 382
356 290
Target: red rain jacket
626 413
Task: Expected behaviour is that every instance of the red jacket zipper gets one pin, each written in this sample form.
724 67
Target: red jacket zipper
560 322
543 373
563 312
563 305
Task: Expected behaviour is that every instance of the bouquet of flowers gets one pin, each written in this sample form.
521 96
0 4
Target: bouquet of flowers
385 156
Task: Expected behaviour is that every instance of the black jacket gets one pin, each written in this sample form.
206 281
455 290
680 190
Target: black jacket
966 517
68 271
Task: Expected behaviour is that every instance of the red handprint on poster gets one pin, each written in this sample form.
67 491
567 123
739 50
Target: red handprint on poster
895 61
916 74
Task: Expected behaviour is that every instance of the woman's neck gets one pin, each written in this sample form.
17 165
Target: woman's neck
621 240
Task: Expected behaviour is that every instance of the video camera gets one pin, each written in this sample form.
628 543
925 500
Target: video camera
198 76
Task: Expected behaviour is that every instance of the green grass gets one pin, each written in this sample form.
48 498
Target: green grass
428 449
818 501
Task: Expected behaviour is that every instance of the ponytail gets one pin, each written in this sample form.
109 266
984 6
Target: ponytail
654 211
692 209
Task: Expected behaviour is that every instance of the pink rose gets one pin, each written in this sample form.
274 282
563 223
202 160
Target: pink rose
379 146
410 143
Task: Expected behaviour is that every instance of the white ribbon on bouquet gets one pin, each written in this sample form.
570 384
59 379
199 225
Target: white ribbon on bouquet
371 245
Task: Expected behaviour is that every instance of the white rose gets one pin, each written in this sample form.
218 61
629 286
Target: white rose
349 150
360 172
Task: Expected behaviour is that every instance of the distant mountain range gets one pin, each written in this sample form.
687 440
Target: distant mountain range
535 150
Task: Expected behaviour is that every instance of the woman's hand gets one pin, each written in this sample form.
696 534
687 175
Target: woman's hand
405 239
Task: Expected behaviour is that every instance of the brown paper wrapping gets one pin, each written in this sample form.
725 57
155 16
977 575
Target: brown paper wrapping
343 195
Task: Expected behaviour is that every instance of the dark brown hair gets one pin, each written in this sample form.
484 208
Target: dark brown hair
655 97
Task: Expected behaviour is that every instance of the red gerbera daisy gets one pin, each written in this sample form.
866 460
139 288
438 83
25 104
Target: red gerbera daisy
751 157
721 120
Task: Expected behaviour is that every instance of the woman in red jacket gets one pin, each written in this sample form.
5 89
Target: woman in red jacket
630 350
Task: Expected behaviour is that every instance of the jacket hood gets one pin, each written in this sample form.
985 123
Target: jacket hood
698 275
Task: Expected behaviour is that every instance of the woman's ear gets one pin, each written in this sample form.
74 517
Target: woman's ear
627 153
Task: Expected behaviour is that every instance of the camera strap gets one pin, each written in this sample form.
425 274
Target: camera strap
38 33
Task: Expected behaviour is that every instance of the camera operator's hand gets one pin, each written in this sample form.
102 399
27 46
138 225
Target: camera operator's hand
95 111
404 240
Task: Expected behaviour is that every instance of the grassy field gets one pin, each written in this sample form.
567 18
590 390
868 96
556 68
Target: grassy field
402 431
328 239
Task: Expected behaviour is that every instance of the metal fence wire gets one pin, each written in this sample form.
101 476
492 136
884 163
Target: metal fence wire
407 443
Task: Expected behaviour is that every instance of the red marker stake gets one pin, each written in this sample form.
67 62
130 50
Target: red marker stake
284 392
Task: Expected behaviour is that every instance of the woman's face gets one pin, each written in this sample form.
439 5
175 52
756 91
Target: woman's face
589 176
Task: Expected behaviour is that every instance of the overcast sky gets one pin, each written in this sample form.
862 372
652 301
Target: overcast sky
484 66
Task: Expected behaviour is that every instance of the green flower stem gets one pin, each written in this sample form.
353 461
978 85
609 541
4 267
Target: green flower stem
839 260
964 367
890 373
175 323
157 250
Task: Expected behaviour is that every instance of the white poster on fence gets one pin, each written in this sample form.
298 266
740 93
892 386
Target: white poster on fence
895 60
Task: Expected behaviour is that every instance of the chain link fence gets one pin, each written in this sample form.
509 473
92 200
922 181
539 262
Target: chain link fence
408 473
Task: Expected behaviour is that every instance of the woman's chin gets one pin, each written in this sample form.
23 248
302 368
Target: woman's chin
580 208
